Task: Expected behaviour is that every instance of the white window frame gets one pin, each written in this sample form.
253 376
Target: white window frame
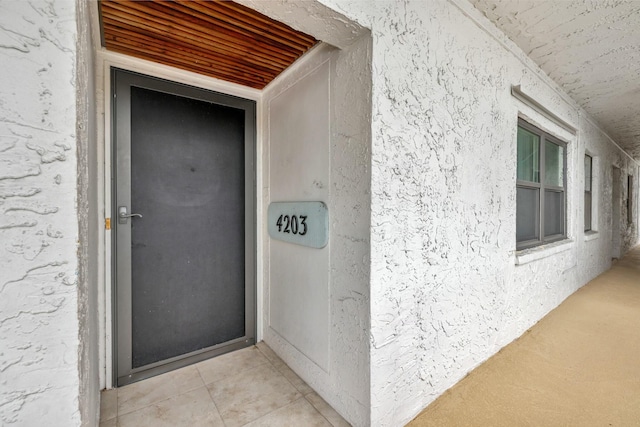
589 208
630 181
542 186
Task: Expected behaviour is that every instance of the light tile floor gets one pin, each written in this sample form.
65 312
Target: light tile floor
250 387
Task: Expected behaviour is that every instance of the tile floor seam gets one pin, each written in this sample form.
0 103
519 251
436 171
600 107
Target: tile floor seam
317 410
161 400
277 409
282 374
311 390
215 405
178 408
199 373
240 373
273 365
100 419
206 386
292 384
266 357
275 371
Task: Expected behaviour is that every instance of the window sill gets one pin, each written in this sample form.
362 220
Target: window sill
526 256
591 235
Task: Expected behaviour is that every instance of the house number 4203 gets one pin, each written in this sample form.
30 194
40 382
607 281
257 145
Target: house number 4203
293 224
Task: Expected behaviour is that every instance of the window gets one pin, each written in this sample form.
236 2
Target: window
588 182
541 187
630 199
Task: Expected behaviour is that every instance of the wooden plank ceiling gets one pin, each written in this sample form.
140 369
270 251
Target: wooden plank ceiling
220 39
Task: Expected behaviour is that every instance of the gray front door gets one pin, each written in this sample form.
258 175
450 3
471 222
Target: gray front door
183 213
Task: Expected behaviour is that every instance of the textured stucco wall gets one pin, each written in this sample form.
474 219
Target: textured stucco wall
594 251
38 222
437 174
350 200
335 171
446 292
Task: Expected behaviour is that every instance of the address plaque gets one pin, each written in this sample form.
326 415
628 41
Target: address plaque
301 223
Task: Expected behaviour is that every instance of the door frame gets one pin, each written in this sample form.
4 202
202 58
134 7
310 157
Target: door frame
105 61
124 373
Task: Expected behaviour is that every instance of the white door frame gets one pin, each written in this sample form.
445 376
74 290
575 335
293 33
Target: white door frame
104 61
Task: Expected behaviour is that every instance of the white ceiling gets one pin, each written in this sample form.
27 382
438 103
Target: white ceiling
589 47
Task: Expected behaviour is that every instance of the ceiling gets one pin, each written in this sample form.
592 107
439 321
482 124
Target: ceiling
220 39
589 47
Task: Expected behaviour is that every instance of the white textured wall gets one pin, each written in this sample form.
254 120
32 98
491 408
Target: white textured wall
317 315
300 170
38 222
435 180
593 254
446 292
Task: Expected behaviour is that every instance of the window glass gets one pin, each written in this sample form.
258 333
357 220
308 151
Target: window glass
587 173
588 162
554 164
630 199
553 213
587 211
528 207
528 156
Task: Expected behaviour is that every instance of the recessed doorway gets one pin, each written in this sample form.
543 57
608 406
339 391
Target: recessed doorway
184 220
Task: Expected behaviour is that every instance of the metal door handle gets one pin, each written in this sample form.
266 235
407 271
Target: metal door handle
123 215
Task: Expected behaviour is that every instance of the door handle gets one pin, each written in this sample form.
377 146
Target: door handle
123 215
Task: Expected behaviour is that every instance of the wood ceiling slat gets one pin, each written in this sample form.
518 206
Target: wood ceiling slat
209 14
144 10
160 56
256 24
136 14
246 61
217 38
237 11
151 34
167 10
186 50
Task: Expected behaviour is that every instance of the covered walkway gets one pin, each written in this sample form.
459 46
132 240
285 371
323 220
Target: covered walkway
578 366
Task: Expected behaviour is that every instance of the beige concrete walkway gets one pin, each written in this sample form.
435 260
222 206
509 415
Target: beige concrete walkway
579 366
